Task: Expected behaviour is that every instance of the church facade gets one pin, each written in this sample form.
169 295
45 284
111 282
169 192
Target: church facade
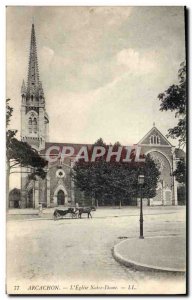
58 187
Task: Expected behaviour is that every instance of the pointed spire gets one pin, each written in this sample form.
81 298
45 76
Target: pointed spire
41 92
153 124
23 88
33 71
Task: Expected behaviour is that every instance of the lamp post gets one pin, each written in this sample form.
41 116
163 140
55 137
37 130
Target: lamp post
141 182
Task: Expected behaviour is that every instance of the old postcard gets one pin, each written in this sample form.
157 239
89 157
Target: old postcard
96 150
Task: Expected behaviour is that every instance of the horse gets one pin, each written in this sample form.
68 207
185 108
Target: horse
61 213
74 212
93 208
85 210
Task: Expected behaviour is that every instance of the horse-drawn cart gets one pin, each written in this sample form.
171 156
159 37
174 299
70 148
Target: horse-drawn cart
61 213
74 212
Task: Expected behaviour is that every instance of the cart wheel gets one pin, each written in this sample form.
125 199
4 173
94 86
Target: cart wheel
56 216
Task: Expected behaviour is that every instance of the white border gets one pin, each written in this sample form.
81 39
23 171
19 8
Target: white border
4 3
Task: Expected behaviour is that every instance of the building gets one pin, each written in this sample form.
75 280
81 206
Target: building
58 188
164 155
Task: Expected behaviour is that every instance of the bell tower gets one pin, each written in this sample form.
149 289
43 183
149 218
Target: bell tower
34 119
34 123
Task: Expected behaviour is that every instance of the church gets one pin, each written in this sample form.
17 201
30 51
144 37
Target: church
58 187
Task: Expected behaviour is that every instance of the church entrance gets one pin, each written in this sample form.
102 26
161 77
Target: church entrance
60 197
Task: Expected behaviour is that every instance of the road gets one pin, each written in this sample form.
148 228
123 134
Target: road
78 251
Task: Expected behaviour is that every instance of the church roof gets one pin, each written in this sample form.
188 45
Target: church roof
144 141
154 132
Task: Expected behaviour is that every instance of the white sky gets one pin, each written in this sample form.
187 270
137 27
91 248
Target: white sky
102 68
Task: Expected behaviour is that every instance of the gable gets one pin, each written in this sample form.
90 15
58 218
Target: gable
154 137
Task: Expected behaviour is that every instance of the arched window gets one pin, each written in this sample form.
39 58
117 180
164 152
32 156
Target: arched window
154 139
34 123
30 125
151 139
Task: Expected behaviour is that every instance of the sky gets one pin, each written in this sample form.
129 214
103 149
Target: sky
102 68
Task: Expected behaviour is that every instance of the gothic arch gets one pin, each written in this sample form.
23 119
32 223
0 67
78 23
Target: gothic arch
163 194
32 122
58 188
167 158
32 112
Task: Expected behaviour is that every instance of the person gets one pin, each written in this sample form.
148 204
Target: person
76 209
40 208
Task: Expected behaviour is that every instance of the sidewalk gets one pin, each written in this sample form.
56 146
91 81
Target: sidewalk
163 253
100 213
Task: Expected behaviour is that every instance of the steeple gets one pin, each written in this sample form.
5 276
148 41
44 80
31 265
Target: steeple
34 118
23 88
34 87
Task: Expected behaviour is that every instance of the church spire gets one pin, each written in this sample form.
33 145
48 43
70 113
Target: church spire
34 87
23 88
33 72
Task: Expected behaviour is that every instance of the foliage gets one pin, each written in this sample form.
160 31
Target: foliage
174 99
21 154
180 172
151 174
9 111
115 181
181 193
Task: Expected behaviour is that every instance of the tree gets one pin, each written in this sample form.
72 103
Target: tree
174 99
111 182
91 177
151 173
23 155
180 172
9 111
20 154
